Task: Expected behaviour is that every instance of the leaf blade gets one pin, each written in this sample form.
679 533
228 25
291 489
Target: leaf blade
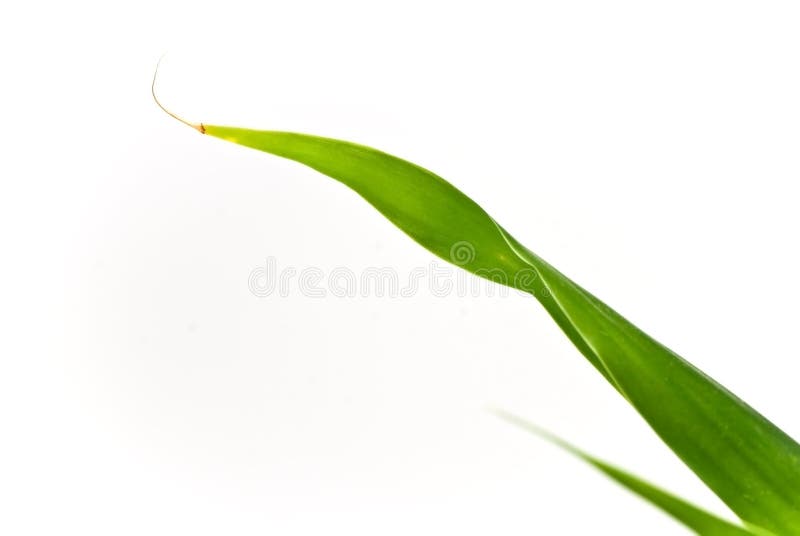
693 517
745 459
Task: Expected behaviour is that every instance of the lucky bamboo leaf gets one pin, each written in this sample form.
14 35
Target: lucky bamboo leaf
695 518
746 460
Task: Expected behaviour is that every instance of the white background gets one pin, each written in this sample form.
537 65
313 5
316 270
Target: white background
648 150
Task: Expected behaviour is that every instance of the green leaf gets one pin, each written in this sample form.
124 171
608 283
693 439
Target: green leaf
695 518
746 460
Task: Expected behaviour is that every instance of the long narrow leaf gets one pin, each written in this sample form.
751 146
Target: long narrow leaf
695 518
746 460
